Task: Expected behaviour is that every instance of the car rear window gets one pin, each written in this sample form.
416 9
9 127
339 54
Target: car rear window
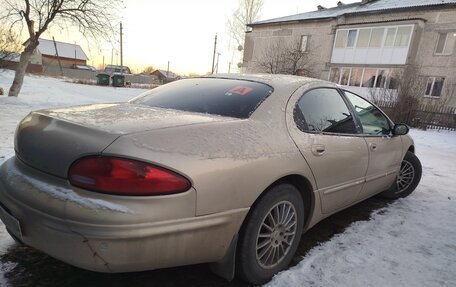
224 97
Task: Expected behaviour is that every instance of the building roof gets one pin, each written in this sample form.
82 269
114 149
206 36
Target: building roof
65 50
358 7
166 74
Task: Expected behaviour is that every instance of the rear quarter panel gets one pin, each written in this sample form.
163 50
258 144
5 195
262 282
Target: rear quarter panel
229 163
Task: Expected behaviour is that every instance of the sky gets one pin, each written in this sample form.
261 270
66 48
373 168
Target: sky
179 31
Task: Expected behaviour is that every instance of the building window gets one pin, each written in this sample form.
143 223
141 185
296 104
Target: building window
390 35
381 78
445 43
393 80
345 76
403 36
334 75
351 38
356 76
376 37
341 39
363 38
434 87
304 43
369 78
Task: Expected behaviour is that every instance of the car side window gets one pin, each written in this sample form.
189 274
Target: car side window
323 110
372 119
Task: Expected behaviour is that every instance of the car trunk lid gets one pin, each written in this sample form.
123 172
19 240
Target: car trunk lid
51 140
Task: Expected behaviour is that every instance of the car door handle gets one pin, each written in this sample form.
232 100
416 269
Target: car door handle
372 147
318 149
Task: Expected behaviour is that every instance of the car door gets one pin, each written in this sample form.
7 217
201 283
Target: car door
385 150
327 136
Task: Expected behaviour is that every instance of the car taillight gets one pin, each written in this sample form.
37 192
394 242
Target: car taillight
125 177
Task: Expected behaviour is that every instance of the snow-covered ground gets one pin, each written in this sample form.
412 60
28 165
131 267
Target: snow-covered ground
411 242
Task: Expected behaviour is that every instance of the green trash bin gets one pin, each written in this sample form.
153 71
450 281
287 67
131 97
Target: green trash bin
103 79
118 81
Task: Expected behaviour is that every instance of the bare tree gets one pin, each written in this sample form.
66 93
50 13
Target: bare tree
10 45
149 69
280 56
449 93
247 12
403 103
411 88
93 18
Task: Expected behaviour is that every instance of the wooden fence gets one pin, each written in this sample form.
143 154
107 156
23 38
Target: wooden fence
425 116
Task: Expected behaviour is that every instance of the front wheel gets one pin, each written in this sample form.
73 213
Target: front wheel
408 178
271 234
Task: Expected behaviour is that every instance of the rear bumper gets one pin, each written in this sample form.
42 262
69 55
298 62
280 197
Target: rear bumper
108 233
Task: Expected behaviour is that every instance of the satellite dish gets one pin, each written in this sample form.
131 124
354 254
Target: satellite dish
240 48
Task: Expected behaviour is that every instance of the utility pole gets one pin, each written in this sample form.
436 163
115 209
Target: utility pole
167 71
57 55
213 56
121 50
216 70
229 67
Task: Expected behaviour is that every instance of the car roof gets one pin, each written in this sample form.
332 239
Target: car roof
273 80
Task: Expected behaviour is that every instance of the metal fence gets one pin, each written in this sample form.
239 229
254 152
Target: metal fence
426 116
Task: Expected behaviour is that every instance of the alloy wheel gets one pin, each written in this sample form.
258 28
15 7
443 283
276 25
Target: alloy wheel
276 234
405 177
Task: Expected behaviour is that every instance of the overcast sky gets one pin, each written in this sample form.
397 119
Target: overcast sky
180 31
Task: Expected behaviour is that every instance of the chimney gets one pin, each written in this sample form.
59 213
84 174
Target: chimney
320 8
340 3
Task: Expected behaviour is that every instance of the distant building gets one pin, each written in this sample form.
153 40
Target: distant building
11 60
69 55
165 76
368 45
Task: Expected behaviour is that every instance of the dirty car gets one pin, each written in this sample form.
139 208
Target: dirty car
229 170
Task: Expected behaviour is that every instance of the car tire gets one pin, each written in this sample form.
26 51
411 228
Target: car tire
408 178
270 234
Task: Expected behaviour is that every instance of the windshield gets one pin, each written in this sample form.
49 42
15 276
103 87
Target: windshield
224 97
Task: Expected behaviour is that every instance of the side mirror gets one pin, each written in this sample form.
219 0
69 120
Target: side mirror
400 129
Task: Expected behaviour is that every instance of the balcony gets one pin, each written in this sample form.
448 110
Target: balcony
379 45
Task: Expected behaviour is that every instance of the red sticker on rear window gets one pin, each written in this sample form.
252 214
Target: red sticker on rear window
240 90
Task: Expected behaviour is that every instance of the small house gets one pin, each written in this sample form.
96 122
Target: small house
165 76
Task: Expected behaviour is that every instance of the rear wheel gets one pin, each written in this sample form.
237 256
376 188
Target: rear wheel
271 234
408 178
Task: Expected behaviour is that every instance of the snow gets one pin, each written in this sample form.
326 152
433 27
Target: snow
359 7
15 177
411 242
65 50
